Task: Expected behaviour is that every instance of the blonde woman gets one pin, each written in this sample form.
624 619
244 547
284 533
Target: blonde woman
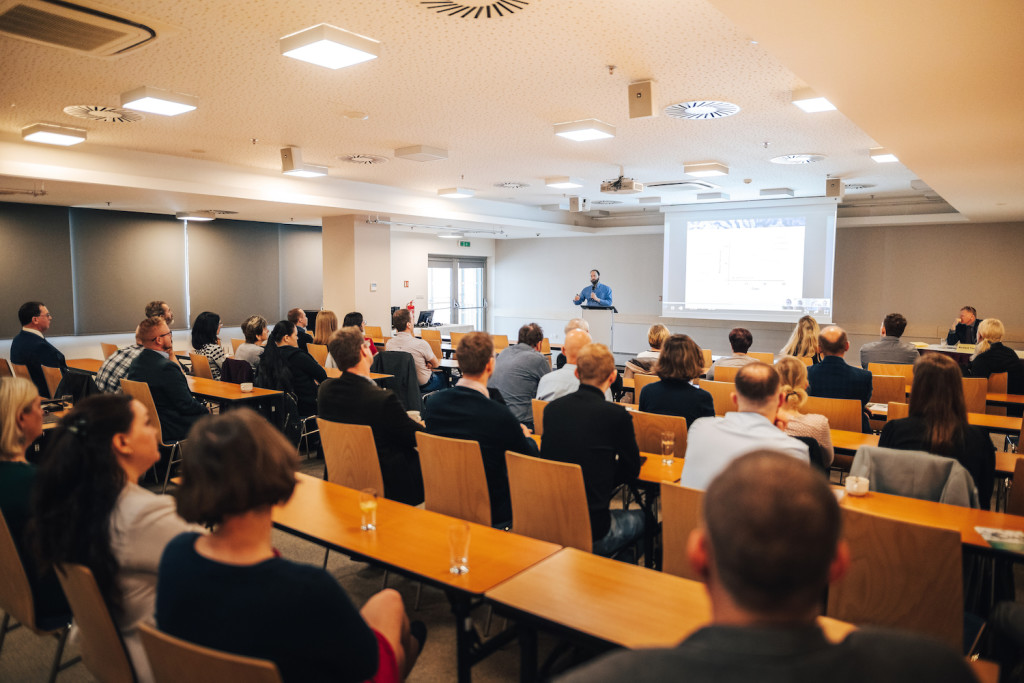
803 343
656 336
993 357
794 388
326 324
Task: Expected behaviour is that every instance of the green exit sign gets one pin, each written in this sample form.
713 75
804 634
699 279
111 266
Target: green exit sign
463 243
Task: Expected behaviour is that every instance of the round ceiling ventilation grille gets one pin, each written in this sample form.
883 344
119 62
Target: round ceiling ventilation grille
512 185
475 10
364 159
604 202
798 159
222 212
107 114
701 109
857 186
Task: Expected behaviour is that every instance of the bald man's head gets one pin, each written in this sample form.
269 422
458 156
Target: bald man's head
574 341
833 341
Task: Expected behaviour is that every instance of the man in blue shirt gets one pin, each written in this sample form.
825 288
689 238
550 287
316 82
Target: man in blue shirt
596 294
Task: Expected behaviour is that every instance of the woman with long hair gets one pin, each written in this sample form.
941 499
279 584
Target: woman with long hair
285 368
679 363
803 342
89 509
326 324
206 340
793 374
938 422
232 591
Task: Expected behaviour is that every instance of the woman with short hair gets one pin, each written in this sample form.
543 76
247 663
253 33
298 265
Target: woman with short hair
679 363
256 330
206 340
803 342
993 357
793 375
656 336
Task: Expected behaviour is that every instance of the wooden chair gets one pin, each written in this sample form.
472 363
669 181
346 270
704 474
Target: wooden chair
21 371
726 374
435 346
887 389
174 660
5 368
235 343
975 389
200 366
140 392
545 346
319 352
681 513
108 349
53 377
373 332
1015 498
500 342
842 413
641 381
904 369
538 415
351 455
806 360
427 334
901 575
706 354
648 428
17 603
98 638
454 482
721 394
763 356
456 338
897 411
997 384
548 501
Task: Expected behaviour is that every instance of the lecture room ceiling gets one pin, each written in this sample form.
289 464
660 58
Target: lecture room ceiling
932 81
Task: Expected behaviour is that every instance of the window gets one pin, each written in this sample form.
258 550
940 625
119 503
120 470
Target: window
456 290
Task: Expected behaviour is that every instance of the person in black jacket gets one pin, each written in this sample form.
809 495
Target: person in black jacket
297 317
680 362
965 327
285 368
30 348
354 398
993 358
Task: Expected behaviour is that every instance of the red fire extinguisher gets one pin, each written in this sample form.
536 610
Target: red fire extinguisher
412 310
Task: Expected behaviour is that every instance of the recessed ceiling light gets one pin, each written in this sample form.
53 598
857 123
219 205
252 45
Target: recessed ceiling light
777 192
52 134
701 109
708 196
157 101
650 200
291 164
882 156
811 102
451 235
585 129
307 171
456 192
705 169
421 153
798 159
563 182
330 46
196 215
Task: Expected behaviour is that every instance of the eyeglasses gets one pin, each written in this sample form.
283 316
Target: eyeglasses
161 336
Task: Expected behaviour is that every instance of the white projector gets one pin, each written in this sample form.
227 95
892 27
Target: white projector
622 186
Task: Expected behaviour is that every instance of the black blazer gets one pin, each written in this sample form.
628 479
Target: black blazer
584 429
677 397
833 377
304 339
307 374
33 351
999 358
352 399
968 334
177 407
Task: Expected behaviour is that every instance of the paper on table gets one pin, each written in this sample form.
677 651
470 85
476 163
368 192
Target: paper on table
1003 539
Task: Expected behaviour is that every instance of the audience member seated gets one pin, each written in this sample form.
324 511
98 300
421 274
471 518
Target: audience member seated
206 340
890 348
160 309
466 411
656 336
354 319
232 591
326 324
285 368
114 368
770 545
30 348
833 377
564 381
793 375
574 324
518 371
713 442
21 423
90 510
993 357
297 317
422 355
176 405
938 423
740 340
584 429
255 329
680 362
354 398
803 342
965 328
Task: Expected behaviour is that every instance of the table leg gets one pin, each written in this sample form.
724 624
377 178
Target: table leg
527 653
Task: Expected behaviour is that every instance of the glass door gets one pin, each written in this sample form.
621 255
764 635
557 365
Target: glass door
456 290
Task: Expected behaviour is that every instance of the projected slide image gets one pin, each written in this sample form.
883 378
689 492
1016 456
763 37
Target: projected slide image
752 264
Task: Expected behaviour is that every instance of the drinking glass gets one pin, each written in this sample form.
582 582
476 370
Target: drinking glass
368 509
458 548
668 447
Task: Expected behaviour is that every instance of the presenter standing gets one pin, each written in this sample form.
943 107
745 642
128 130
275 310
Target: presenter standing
596 295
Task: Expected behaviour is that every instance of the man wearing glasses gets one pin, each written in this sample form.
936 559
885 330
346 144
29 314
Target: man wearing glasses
30 348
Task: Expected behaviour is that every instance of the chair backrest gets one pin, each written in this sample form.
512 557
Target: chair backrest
886 388
404 382
904 369
174 660
454 482
706 354
108 349
721 393
997 384
641 381
681 513
456 338
5 368
140 392
901 575
726 373
500 342
373 332
806 360
428 334
897 411
1015 498
200 366
15 590
842 413
319 352
53 376
763 356
21 371
648 428
235 343
548 501
351 455
435 346
975 389
236 371
103 652
538 415
545 346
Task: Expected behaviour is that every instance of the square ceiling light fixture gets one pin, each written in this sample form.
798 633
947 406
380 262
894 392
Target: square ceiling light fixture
705 169
157 101
456 192
195 215
330 46
563 182
881 155
712 196
778 192
291 164
421 153
811 102
586 129
52 134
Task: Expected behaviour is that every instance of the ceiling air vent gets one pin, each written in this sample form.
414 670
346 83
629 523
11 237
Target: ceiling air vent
72 27
94 112
682 185
474 10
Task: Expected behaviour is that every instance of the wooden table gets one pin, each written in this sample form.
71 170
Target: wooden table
1000 424
849 442
654 472
415 542
226 391
89 365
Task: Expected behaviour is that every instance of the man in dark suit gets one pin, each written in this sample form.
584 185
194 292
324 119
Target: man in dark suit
584 429
176 405
30 348
354 398
466 411
833 377
965 328
297 317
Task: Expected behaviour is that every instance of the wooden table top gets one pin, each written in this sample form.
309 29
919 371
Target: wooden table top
653 472
1004 399
90 365
621 604
408 538
850 441
225 391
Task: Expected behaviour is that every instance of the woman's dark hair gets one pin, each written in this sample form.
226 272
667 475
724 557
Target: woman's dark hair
273 372
680 358
76 489
353 319
204 329
937 397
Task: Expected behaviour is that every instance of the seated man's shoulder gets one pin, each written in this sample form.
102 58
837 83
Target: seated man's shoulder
891 655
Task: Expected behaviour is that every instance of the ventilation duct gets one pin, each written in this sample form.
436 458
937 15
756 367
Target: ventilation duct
94 31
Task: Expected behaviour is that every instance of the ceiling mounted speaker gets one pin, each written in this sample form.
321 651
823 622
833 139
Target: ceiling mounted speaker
641 100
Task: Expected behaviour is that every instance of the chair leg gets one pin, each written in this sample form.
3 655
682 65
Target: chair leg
419 592
4 629
61 640
170 465
327 551
384 583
